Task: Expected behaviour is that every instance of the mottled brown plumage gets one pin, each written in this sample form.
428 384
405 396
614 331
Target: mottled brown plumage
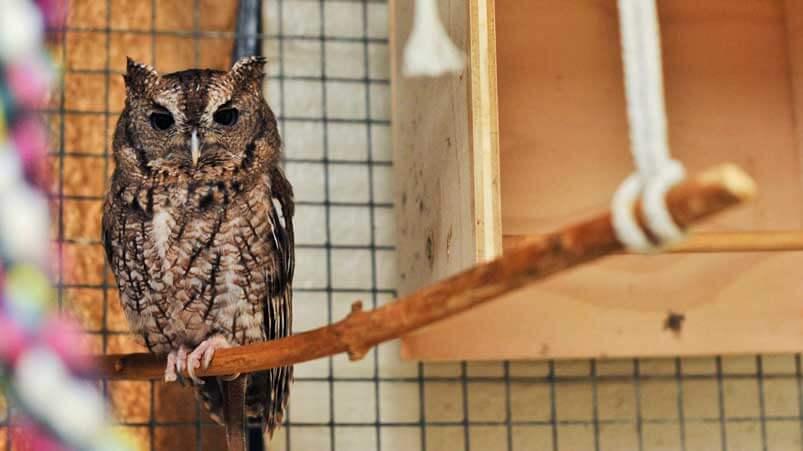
197 223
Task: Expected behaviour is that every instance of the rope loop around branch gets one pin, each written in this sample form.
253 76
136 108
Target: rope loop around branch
656 213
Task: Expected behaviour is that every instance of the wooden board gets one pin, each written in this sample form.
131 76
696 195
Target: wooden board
733 84
445 151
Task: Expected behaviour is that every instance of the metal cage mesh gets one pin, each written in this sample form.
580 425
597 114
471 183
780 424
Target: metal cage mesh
329 83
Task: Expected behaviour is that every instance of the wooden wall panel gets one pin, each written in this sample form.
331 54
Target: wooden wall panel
442 159
732 89
431 153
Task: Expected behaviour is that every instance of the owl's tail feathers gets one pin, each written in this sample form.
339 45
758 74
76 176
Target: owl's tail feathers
234 414
266 398
268 393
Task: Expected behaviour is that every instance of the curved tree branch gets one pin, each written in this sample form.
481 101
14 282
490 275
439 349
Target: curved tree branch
532 259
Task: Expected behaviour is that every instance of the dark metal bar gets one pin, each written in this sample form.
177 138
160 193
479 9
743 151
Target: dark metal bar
249 29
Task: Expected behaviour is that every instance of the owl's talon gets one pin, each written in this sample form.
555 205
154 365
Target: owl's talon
208 358
191 367
176 365
202 355
170 370
180 377
181 359
181 363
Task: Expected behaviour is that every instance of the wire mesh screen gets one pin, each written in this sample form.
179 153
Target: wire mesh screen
328 80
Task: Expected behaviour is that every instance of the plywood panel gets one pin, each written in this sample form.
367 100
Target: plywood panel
445 151
732 84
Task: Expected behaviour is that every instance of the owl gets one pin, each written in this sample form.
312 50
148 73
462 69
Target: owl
197 226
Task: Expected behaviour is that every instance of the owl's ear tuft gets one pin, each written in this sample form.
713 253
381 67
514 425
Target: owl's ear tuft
249 70
139 77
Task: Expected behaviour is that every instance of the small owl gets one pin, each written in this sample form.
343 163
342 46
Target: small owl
197 225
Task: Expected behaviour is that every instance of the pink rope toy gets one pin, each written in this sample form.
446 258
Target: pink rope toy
43 370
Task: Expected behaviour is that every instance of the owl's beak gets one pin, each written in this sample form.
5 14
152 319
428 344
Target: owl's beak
195 148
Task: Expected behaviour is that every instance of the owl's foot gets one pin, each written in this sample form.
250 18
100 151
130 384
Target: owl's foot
176 364
202 355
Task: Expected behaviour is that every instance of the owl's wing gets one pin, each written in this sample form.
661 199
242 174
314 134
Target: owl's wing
280 273
282 192
271 389
106 229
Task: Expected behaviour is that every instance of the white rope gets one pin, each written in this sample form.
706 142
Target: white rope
655 210
429 50
656 171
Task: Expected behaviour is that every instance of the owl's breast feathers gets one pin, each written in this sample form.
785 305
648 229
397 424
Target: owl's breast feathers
201 259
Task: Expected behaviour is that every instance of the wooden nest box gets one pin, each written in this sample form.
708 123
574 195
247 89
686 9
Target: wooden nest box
534 134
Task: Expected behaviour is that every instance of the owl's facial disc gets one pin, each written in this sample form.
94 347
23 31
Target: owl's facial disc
199 123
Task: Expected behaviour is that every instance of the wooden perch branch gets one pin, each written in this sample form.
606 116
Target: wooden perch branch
708 242
531 260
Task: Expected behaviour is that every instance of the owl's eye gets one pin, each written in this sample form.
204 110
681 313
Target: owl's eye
226 116
161 120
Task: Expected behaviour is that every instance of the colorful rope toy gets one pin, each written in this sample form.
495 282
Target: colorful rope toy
43 370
